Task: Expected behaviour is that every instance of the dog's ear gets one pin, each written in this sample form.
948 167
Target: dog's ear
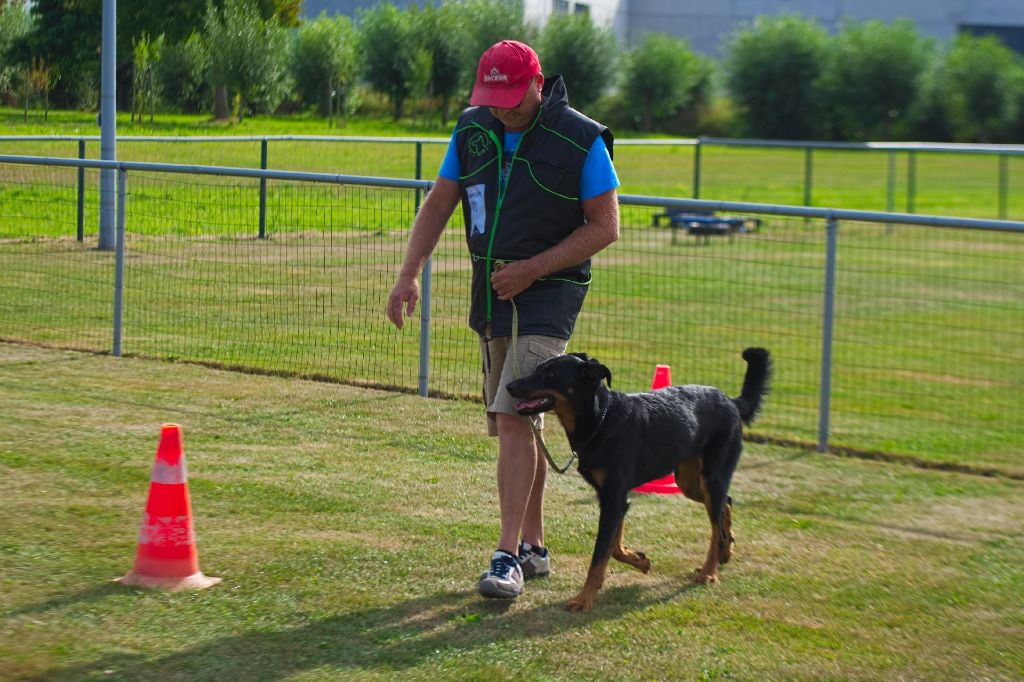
594 371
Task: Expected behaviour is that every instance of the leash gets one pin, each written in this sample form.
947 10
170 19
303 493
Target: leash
533 425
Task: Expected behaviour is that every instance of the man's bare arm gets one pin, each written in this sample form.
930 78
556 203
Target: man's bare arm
426 231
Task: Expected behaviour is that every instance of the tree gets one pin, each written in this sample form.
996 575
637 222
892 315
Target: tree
324 60
774 69
15 23
439 35
181 74
145 57
389 53
485 22
584 54
66 38
663 76
872 77
247 57
984 79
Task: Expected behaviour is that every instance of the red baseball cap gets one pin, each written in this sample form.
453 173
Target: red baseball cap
503 75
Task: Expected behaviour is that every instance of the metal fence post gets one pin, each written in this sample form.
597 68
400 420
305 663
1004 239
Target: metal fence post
122 182
425 282
911 180
696 169
808 174
419 172
825 397
263 190
1004 184
890 189
81 191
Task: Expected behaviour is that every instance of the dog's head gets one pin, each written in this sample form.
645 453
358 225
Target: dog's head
560 384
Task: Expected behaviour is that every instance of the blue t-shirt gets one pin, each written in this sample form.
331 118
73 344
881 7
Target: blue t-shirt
598 174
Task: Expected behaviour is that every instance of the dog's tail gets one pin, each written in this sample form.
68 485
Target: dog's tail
756 383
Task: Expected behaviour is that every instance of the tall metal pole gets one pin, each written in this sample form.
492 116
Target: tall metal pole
828 324
108 127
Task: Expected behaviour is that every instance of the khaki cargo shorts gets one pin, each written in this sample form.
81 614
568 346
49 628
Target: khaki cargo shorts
499 370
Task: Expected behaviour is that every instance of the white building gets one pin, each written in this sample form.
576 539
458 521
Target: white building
705 24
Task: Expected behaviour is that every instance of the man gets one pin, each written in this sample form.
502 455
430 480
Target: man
538 193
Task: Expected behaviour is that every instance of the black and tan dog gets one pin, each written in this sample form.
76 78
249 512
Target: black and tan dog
624 440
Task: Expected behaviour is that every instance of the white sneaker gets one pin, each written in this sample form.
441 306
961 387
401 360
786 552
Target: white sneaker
535 561
504 580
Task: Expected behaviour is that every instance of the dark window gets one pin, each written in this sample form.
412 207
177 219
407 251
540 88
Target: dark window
582 8
1012 36
560 6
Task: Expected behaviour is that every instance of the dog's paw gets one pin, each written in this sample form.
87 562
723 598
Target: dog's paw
637 560
581 603
702 577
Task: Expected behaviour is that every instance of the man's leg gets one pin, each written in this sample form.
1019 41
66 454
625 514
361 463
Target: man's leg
520 484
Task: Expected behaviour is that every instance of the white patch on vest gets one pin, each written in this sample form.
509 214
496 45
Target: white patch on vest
477 209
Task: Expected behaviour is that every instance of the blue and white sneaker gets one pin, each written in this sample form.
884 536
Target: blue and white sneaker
535 561
504 580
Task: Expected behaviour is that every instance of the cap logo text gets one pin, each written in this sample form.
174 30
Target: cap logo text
495 76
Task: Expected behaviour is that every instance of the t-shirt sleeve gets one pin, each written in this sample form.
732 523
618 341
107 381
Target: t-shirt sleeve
598 171
451 169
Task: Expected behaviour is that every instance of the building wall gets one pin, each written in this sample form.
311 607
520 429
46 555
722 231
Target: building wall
707 24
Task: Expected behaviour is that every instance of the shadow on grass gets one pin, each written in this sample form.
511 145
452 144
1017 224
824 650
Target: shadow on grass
62 600
383 639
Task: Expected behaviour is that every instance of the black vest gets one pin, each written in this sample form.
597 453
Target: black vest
539 208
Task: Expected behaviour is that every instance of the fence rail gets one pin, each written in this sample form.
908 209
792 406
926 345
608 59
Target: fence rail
918 176
893 332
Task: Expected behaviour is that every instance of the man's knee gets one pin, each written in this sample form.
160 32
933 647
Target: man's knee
512 424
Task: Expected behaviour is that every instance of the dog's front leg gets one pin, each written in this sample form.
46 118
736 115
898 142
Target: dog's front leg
620 552
613 510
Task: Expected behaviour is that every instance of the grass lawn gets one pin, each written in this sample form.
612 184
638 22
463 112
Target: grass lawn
930 183
350 525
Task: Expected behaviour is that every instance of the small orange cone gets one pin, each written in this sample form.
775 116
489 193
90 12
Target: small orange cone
666 485
166 555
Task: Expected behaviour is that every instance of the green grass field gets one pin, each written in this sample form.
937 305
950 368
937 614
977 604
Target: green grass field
939 183
349 526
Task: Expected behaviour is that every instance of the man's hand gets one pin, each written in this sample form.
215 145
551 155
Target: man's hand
511 279
404 294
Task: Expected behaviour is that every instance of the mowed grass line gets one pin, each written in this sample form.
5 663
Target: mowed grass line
350 525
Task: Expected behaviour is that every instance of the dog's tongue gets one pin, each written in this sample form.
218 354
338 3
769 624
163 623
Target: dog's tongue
528 404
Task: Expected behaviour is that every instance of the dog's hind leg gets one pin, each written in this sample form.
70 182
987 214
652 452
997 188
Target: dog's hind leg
637 560
714 482
613 510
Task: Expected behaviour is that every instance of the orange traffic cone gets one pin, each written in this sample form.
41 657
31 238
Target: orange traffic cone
166 555
666 485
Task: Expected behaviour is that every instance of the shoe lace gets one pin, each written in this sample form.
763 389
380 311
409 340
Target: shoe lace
502 566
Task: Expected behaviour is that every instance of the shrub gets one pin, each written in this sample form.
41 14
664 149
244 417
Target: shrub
247 56
586 56
773 70
663 76
984 81
323 62
181 75
872 77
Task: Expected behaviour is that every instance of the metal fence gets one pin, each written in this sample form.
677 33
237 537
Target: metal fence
984 181
891 332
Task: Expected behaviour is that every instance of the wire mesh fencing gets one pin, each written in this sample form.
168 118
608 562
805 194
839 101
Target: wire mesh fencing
923 356
982 181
